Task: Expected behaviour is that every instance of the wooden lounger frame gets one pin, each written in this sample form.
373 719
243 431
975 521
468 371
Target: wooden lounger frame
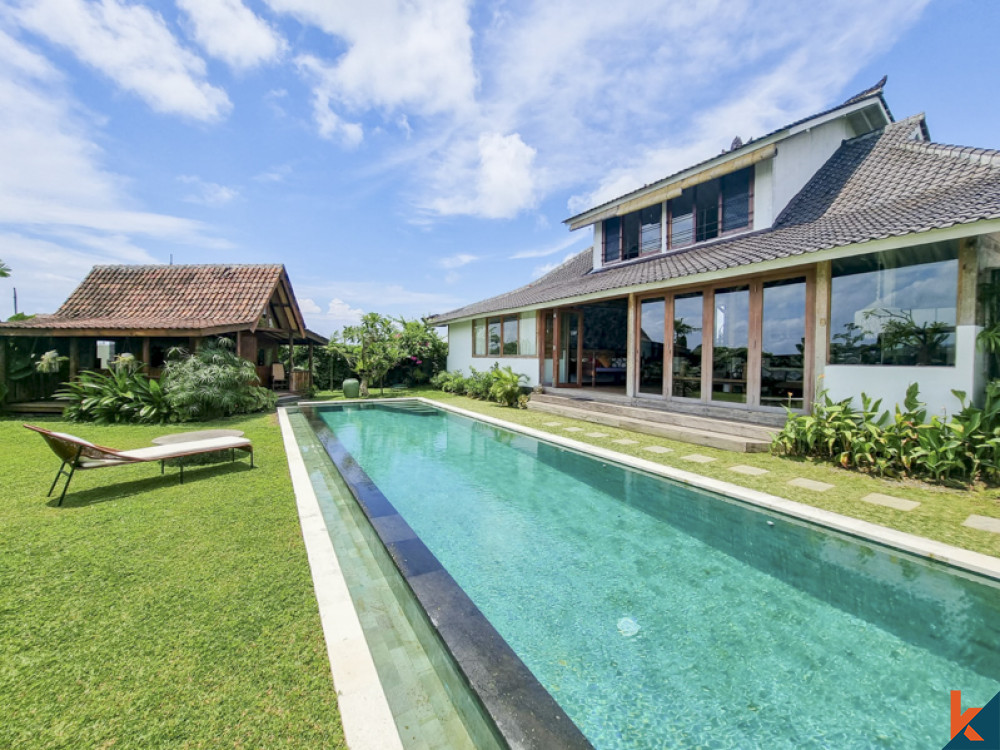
79 455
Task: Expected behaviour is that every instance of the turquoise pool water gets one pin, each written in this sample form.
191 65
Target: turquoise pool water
658 615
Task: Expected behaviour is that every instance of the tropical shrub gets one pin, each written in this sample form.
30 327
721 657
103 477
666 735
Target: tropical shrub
507 387
964 448
213 382
124 395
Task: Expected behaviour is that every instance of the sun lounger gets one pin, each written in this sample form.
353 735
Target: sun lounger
77 454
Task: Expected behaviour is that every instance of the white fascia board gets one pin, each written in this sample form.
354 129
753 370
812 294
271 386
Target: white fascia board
837 114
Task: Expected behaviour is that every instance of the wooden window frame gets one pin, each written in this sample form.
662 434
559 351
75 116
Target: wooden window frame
485 322
756 285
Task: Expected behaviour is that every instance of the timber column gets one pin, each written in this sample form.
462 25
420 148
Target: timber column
631 347
821 335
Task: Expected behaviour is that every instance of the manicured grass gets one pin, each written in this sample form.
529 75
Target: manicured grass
144 613
940 515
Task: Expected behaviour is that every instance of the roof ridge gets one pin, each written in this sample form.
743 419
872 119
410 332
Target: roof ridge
989 157
143 266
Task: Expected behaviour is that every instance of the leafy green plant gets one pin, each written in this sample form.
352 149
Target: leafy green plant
213 382
370 349
50 362
479 383
507 386
123 395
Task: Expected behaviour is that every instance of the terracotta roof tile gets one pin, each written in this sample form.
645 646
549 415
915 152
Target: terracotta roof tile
187 297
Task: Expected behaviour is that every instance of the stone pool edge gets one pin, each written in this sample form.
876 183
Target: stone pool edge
523 715
364 709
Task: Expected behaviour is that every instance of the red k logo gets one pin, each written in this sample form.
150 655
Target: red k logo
960 721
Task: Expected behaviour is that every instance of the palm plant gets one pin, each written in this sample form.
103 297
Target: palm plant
213 382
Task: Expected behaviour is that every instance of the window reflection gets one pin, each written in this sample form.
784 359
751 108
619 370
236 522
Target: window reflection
651 335
686 364
729 346
783 342
895 308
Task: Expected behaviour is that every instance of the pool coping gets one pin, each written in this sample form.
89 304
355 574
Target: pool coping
365 714
523 712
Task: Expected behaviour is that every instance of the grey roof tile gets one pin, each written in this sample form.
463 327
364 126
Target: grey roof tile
888 183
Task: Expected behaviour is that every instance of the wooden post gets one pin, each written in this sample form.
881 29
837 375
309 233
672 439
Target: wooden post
74 357
632 341
291 360
146 353
821 332
3 364
310 362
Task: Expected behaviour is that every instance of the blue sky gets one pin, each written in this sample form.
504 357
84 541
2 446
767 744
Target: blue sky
411 156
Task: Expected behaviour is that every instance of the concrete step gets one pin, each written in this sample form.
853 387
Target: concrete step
35 407
685 434
728 426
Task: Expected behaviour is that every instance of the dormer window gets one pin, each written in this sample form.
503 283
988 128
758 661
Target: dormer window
700 213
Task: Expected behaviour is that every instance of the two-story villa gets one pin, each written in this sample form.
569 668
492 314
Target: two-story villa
843 251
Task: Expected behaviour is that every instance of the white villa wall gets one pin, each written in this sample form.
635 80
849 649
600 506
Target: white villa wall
890 382
460 355
799 157
763 194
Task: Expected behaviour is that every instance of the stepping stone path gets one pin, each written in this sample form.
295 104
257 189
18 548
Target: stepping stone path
809 484
597 434
574 429
983 523
551 424
750 471
889 501
625 441
658 449
697 458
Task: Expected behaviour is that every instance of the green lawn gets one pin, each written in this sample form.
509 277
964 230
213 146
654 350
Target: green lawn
940 515
144 613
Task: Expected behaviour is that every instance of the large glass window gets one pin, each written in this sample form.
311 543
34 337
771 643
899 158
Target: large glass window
510 336
729 344
783 340
702 212
479 338
706 202
630 235
527 341
495 337
682 219
736 200
686 361
507 336
612 240
895 308
649 240
651 337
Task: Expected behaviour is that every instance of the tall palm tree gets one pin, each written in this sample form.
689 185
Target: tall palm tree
4 270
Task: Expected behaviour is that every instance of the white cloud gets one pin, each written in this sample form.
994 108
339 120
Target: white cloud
576 238
132 46
415 54
309 306
498 184
457 261
230 31
61 211
208 193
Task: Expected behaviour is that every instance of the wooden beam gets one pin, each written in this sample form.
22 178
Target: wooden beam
146 353
74 357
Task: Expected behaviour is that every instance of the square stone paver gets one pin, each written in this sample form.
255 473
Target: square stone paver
751 471
574 429
625 441
697 458
597 434
551 424
809 484
889 501
658 449
983 523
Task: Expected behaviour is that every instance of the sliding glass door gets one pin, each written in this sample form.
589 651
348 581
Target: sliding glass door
685 374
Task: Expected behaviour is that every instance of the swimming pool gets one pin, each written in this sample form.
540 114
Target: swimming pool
656 614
